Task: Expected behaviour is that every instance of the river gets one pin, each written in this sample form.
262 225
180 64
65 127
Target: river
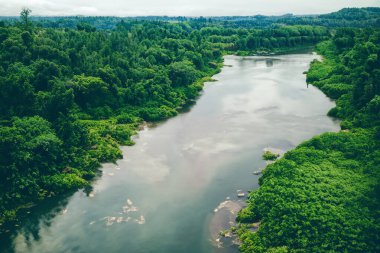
161 197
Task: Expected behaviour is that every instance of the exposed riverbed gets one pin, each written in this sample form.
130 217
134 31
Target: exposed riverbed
162 196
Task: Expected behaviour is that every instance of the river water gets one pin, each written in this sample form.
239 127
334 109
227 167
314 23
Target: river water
162 195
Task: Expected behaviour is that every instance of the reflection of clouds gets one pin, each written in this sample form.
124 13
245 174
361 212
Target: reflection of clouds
267 109
151 168
262 95
20 243
228 115
210 146
231 127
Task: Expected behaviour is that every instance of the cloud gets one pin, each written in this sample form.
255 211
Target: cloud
178 7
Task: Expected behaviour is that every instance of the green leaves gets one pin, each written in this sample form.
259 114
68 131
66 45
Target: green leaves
91 91
322 196
29 149
182 73
269 156
316 196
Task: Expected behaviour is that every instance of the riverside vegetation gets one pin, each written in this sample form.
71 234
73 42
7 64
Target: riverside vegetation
70 96
323 196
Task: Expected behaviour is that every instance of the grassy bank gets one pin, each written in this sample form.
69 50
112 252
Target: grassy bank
323 196
103 139
71 96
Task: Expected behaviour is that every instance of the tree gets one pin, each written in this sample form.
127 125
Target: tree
91 91
182 73
24 16
16 92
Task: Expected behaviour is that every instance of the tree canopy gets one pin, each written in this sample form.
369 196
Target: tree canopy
324 195
73 89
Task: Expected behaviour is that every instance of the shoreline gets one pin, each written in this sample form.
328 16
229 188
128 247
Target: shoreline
324 170
8 222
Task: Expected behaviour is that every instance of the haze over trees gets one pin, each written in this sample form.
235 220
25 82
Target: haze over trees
347 17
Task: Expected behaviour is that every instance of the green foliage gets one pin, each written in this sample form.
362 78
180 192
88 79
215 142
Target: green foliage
25 17
323 196
29 149
318 71
269 156
319 197
126 118
91 91
60 183
336 90
71 97
347 17
350 74
182 73
155 114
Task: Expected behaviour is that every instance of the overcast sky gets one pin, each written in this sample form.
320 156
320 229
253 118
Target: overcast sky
178 7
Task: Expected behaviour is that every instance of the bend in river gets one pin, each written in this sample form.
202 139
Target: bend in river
161 197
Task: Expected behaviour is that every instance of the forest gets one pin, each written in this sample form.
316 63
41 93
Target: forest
70 97
74 89
347 17
323 196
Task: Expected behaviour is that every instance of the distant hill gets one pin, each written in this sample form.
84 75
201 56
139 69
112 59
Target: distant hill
347 17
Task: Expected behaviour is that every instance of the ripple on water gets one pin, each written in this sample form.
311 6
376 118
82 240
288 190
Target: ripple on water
129 213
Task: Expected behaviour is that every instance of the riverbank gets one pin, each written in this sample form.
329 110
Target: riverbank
108 134
81 93
323 195
107 138
278 51
193 161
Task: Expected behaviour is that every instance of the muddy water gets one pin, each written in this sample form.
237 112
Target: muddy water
162 196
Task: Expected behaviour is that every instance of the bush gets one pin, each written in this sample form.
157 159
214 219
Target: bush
269 156
335 90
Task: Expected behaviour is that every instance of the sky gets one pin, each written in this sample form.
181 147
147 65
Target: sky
177 7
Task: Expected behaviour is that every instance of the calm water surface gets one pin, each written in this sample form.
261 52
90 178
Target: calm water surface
160 198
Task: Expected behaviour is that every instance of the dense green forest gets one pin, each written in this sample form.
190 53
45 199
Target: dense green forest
347 17
71 96
73 89
323 196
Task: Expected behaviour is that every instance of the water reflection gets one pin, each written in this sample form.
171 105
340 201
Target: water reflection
269 63
19 235
162 195
258 61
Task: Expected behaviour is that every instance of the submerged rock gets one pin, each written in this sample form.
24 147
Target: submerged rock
124 215
222 220
141 220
